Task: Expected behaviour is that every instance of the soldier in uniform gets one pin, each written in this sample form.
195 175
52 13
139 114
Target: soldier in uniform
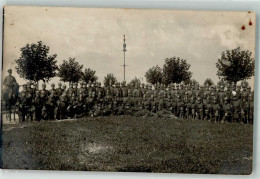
215 110
51 105
251 108
60 111
180 106
53 91
187 103
37 105
236 106
193 107
64 87
199 109
124 88
72 108
227 110
59 90
44 97
22 110
90 102
9 81
245 105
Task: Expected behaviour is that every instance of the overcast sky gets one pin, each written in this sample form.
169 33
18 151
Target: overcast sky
95 37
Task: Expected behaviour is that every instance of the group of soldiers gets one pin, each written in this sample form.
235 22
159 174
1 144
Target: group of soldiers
232 103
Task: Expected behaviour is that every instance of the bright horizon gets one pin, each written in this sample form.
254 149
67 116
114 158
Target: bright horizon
95 38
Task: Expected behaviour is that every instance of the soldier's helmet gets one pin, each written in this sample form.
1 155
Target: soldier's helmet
238 87
214 99
9 70
64 86
37 92
226 99
243 83
29 83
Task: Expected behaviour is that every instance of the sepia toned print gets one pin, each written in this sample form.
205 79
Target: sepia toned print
128 90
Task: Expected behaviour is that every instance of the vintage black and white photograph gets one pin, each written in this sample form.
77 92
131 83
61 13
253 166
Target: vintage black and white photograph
128 90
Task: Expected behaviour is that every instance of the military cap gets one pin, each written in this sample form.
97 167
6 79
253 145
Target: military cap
226 98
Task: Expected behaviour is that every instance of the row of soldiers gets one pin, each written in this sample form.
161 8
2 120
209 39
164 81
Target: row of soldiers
219 104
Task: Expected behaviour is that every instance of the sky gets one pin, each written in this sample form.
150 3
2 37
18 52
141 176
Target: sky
95 38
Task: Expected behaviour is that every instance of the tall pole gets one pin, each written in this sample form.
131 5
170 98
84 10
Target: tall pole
124 50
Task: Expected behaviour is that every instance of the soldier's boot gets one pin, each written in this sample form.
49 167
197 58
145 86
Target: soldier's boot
223 119
34 116
206 115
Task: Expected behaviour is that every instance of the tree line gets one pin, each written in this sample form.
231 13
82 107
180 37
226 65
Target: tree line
35 64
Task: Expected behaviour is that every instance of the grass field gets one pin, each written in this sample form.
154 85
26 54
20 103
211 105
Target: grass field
129 144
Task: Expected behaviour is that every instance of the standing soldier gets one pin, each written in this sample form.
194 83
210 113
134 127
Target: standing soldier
124 88
215 109
75 89
206 105
251 108
193 107
236 105
59 90
60 111
22 104
221 96
245 107
199 109
37 105
227 110
51 105
228 92
53 91
44 97
187 103
70 90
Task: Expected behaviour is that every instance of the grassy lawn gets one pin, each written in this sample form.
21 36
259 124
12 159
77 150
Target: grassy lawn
129 144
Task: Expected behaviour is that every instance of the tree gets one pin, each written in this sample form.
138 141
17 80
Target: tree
175 70
108 78
154 75
35 64
235 65
70 71
135 82
208 82
89 75
221 83
191 82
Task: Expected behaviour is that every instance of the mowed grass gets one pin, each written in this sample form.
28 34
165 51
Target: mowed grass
129 144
